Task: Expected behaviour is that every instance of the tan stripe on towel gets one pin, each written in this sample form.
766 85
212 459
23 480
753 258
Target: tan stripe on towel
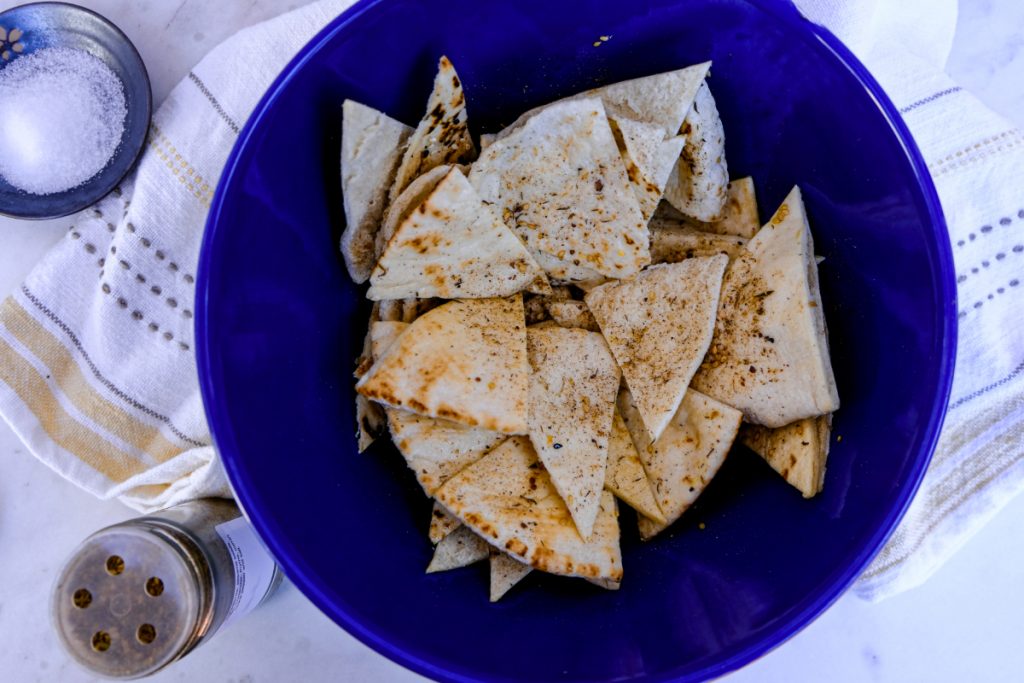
61 427
73 383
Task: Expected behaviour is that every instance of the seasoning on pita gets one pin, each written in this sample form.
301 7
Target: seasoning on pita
402 207
649 159
682 462
572 313
442 137
454 246
626 477
434 449
506 572
560 184
659 326
464 361
507 497
371 147
769 357
573 386
797 451
442 523
672 245
698 183
460 548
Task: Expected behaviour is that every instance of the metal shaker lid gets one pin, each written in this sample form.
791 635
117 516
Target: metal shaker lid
128 602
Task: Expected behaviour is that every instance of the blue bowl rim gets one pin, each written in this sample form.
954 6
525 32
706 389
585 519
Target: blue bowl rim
114 182
217 416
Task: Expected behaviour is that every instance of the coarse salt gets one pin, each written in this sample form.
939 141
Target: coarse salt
63 115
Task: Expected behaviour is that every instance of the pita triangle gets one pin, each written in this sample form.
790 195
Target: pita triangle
434 449
659 326
464 361
769 357
560 184
649 159
626 477
573 386
672 245
507 497
689 453
460 548
442 523
739 215
454 246
697 187
797 451
506 572
442 136
371 147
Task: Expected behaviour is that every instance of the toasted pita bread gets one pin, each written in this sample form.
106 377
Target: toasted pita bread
797 451
434 449
442 523
402 206
571 313
414 308
485 140
464 361
661 99
573 386
560 184
683 461
460 548
507 497
659 326
506 572
769 357
698 183
626 477
371 147
672 245
649 159
454 246
739 216
442 137
370 418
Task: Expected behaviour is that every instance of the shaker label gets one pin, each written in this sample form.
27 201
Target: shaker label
254 567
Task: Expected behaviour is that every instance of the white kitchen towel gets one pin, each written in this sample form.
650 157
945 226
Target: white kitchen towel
98 376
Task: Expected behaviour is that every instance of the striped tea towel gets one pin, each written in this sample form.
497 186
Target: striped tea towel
97 370
98 377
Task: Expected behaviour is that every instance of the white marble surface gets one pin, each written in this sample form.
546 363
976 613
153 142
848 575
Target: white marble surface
962 625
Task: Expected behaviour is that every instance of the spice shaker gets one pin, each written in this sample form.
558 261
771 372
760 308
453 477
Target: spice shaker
135 597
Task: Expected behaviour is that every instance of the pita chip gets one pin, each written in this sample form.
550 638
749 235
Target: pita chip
573 386
454 246
659 326
485 140
442 523
682 462
797 451
560 184
402 206
371 147
464 361
661 99
649 159
370 418
506 572
442 137
697 187
460 548
626 477
739 216
769 357
434 449
672 245
572 313
507 497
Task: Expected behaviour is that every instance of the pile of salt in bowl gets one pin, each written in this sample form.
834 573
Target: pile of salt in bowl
63 116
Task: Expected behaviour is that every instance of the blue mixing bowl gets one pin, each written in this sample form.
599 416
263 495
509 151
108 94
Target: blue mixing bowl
279 324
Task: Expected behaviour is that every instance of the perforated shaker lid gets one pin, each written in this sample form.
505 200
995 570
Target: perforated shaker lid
127 603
